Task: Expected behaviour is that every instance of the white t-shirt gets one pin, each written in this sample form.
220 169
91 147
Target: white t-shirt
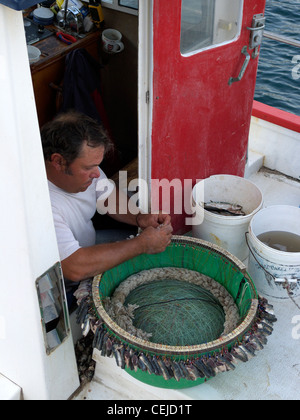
72 214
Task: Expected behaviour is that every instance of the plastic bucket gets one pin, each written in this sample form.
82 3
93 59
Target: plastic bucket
34 54
228 232
274 272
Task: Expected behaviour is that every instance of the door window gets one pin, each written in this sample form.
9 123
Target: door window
126 6
208 23
133 4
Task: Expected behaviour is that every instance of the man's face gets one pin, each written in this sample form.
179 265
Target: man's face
79 175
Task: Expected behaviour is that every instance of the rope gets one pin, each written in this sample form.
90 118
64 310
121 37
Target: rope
124 315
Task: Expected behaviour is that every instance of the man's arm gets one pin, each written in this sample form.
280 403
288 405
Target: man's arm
91 261
134 217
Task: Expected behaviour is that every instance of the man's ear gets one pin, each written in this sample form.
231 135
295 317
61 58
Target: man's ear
58 162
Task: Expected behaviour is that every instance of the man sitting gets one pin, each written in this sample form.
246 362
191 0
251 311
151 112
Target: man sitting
74 146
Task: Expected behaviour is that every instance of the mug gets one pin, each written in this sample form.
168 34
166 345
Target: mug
111 39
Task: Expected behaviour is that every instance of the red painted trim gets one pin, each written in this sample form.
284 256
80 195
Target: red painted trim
276 116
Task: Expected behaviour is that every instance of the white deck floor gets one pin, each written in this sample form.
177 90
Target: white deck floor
274 374
277 189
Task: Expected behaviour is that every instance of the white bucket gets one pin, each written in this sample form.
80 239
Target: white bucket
228 232
34 54
278 266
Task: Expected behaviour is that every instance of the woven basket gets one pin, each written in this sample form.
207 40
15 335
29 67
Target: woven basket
192 254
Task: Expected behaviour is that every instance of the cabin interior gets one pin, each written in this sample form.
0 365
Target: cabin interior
53 73
118 79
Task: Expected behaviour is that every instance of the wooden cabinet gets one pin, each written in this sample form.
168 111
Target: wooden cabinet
49 70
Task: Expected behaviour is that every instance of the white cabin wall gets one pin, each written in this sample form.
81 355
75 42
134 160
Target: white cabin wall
28 241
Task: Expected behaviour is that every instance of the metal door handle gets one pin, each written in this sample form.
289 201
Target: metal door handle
243 70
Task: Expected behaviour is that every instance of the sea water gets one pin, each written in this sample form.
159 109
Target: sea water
281 241
278 79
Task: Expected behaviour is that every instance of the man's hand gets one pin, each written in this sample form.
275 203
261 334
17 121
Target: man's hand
153 220
156 240
90 261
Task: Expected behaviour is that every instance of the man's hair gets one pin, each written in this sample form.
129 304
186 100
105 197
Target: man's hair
67 133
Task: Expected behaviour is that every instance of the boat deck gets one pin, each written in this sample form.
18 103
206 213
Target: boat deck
274 374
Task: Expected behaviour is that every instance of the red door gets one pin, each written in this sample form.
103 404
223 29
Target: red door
201 116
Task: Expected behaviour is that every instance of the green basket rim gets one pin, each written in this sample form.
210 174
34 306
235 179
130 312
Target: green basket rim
156 348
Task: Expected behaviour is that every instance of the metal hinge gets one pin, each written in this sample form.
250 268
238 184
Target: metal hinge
257 33
147 97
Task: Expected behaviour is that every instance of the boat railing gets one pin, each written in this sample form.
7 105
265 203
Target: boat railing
282 38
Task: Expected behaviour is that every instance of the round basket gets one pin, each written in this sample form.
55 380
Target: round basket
178 367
